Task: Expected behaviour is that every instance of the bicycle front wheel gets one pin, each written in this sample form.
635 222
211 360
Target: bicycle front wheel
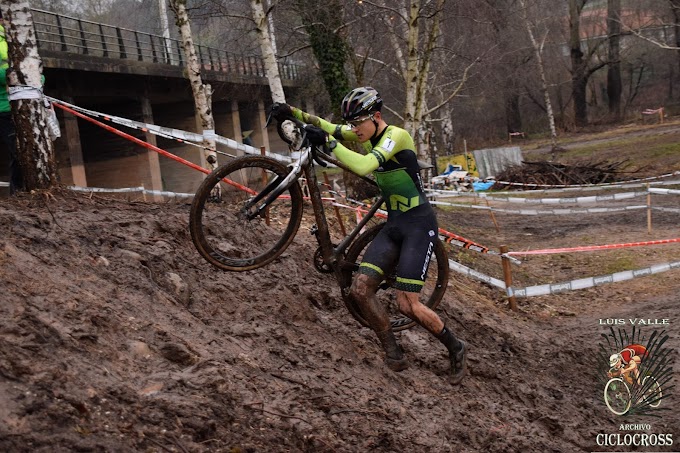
617 396
223 226
431 294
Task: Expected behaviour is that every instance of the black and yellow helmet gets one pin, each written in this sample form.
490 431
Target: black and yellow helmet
360 102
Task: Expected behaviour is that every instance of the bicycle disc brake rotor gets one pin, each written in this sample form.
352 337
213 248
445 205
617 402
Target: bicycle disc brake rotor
289 133
319 264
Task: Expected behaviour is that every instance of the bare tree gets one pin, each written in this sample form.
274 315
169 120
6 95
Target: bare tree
202 92
614 86
34 147
582 66
268 52
538 52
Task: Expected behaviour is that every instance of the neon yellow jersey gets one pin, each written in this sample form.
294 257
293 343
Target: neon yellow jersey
391 157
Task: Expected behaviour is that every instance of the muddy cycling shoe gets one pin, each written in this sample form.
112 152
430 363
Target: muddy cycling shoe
458 364
394 356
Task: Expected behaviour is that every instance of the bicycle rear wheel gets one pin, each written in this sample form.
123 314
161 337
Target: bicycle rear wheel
431 294
653 393
222 226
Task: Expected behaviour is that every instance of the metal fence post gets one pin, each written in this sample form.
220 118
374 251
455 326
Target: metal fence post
121 44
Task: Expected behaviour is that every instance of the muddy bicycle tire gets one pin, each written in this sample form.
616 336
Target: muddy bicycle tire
431 295
220 229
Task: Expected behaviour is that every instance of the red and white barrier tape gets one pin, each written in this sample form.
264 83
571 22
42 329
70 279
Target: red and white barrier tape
591 248
189 138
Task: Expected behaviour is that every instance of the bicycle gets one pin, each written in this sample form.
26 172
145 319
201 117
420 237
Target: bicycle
618 395
263 200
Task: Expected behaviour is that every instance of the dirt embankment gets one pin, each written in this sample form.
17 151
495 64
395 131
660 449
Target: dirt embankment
116 336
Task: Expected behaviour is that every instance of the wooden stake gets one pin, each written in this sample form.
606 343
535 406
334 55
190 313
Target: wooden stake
493 217
263 152
649 210
507 276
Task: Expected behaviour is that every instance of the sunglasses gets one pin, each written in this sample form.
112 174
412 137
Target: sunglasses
358 122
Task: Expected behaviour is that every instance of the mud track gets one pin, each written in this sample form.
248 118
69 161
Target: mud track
116 336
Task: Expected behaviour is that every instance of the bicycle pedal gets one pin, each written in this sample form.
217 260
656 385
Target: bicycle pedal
314 230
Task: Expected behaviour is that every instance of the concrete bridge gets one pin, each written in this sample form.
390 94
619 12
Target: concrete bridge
141 76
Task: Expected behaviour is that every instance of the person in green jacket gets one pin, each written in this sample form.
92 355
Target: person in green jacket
409 235
7 130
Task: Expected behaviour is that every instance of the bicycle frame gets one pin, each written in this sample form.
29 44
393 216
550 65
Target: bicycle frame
330 254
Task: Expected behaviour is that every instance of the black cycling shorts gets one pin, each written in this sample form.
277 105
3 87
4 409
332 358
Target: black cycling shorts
408 241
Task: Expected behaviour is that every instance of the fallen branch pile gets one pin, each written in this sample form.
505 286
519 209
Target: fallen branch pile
553 173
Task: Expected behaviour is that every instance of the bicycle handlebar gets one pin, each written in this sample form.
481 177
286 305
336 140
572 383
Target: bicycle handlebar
320 157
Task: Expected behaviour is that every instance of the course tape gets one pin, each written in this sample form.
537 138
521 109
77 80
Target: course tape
626 185
664 191
140 189
582 186
591 248
568 200
589 282
457 267
659 208
189 138
446 236
543 211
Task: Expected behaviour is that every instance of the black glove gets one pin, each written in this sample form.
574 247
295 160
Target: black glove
281 111
315 135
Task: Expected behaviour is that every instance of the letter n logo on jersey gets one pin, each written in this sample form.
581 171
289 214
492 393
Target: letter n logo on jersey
403 204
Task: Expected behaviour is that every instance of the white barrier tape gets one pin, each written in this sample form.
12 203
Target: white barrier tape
542 211
171 133
569 200
4 184
130 190
457 267
659 208
631 185
440 193
664 191
17 93
589 282
584 186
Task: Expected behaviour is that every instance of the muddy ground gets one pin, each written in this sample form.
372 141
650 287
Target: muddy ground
116 336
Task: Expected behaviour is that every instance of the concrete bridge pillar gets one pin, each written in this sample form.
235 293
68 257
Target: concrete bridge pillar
236 124
75 150
153 160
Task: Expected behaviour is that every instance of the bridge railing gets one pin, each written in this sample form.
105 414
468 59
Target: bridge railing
57 32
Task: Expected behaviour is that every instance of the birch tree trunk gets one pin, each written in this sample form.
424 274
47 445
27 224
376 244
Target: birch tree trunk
411 75
35 150
538 51
268 53
418 70
202 92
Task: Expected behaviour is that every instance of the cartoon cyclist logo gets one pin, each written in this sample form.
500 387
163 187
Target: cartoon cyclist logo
626 364
635 371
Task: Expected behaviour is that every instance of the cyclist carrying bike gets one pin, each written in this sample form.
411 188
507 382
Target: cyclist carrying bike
627 362
409 236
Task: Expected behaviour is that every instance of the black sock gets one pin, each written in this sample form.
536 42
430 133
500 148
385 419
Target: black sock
450 341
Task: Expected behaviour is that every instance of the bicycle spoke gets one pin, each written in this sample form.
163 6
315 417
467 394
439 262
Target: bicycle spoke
231 231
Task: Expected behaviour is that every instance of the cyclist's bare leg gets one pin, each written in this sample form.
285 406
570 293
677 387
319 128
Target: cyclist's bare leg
410 305
363 291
